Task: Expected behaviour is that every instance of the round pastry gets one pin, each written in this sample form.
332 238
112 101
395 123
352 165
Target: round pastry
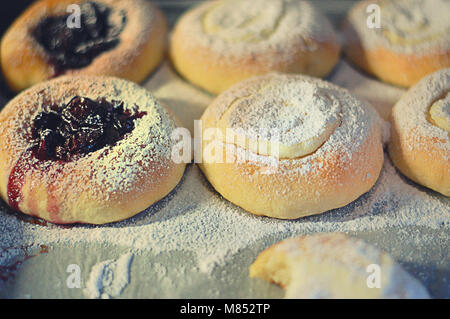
223 42
334 266
86 149
123 38
420 132
411 41
288 146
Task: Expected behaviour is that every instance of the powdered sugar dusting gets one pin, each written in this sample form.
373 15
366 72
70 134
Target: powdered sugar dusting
194 218
358 121
107 279
411 112
298 111
235 27
336 252
110 170
407 26
197 220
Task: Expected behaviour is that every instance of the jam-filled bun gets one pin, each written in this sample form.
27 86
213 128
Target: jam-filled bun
412 41
288 146
334 266
86 149
122 38
223 42
420 132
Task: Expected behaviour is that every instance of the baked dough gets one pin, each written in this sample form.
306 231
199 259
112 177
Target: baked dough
140 38
334 266
413 39
223 42
420 134
111 182
288 146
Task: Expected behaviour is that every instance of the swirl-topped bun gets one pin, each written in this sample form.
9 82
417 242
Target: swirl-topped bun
123 38
220 43
304 115
334 266
412 41
86 149
288 146
440 113
420 142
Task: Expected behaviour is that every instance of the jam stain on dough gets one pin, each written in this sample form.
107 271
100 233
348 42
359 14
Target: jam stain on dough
61 134
75 48
9 272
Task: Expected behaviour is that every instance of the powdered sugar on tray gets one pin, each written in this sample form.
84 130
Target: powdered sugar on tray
380 95
194 218
108 278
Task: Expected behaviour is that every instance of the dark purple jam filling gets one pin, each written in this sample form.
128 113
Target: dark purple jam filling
75 48
80 127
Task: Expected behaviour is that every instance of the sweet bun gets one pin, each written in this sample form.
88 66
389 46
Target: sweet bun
288 146
420 132
412 41
85 149
127 40
334 266
220 43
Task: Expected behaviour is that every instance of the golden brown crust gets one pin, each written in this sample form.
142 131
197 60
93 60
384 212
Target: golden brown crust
262 194
399 69
141 48
378 58
215 69
419 149
329 178
108 185
210 71
427 166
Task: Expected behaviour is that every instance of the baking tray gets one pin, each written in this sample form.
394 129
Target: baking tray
195 244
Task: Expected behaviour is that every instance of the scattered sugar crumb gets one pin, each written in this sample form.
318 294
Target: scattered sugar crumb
107 279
